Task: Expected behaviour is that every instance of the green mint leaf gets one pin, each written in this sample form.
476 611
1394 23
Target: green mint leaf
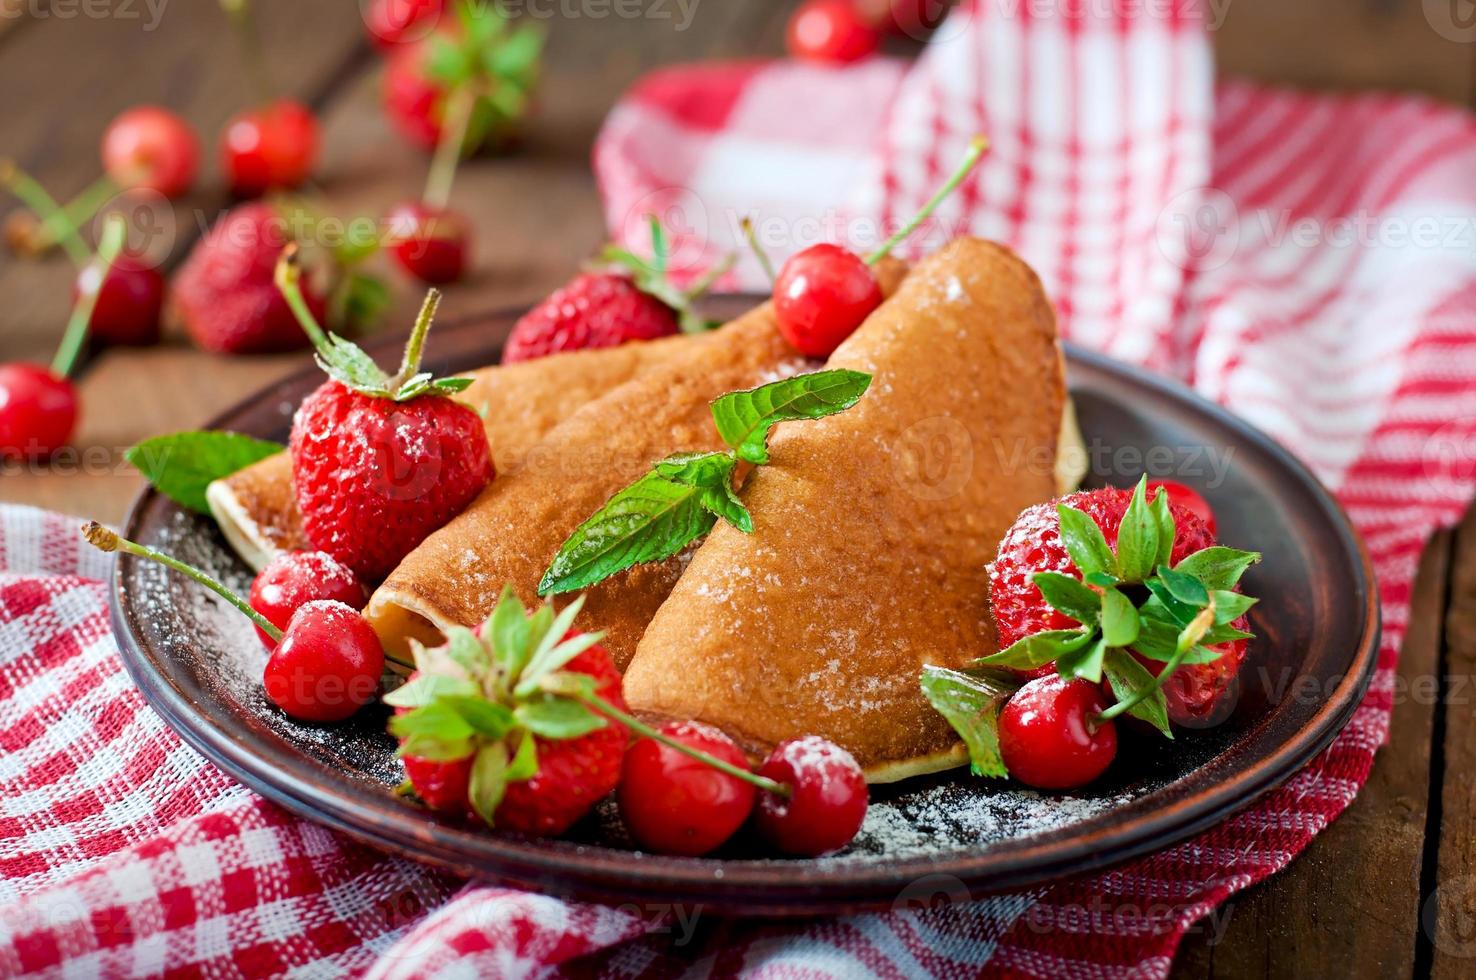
970 701
1157 640
1167 530
1137 539
1084 542
558 718
1186 588
1218 567
1085 663
1127 678
524 764
1069 596
1038 649
699 469
1120 624
488 781
182 465
486 718
650 520
723 502
508 628
744 418
1230 606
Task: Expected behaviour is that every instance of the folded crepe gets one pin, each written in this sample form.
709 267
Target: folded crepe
872 529
510 534
520 403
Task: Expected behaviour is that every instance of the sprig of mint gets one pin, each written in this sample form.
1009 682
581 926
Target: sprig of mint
971 700
685 494
1180 614
181 465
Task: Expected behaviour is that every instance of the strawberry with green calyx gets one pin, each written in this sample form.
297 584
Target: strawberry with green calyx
324 665
379 461
1105 583
622 298
479 49
683 496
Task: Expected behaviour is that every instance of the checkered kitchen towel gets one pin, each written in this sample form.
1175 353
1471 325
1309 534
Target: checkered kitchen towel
1306 260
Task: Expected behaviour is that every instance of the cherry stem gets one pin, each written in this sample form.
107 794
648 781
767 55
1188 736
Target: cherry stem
641 728
106 539
410 366
75 336
244 24
288 278
704 283
763 257
459 107
80 209
46 208
976 149
1188 639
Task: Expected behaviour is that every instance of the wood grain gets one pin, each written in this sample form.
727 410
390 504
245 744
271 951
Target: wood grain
1349 905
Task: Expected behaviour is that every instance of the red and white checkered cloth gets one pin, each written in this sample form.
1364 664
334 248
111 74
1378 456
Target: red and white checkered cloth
1309 261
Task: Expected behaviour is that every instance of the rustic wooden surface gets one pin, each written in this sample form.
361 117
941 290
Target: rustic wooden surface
1388 890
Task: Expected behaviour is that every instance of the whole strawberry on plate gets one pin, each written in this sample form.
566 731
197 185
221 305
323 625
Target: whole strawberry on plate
1101 584
379 461
623 298
487 726
478 49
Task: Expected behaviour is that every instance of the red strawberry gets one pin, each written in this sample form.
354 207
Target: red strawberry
479 48
224 294
380 462
511 704
1034 545
629 299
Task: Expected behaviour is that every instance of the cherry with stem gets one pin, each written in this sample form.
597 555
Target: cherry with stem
274 144
430 240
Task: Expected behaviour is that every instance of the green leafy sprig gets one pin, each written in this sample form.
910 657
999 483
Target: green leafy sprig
345 362
494 56
683 496
1128 600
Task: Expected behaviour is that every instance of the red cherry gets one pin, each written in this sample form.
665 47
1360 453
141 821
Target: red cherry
1047 738
38 410
129 303
831 32
441 786
392 22
290 581
269 147
1187 498
431 243
151 147
674 804
327 665
821 296
827 802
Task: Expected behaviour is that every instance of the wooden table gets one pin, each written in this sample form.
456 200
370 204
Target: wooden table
1352 904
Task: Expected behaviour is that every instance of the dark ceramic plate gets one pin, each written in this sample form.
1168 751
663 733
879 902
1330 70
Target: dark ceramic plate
199 664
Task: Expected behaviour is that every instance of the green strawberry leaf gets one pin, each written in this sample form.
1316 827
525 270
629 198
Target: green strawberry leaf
1105 580
650 520
1157 640
1162 604
1038 649
524 764
553 650
1218 567
558 718
744 418
182 465
1184 587
1167 530
427 688
1084 663
434 731
1127 677
1137 538
486 718
970 701
1067 595
1084 542
1230 606
508 628
488 780
1120 623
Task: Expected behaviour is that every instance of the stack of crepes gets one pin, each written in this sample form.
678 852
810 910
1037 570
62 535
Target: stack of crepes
872 528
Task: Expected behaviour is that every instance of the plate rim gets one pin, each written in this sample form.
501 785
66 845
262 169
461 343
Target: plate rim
606 874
